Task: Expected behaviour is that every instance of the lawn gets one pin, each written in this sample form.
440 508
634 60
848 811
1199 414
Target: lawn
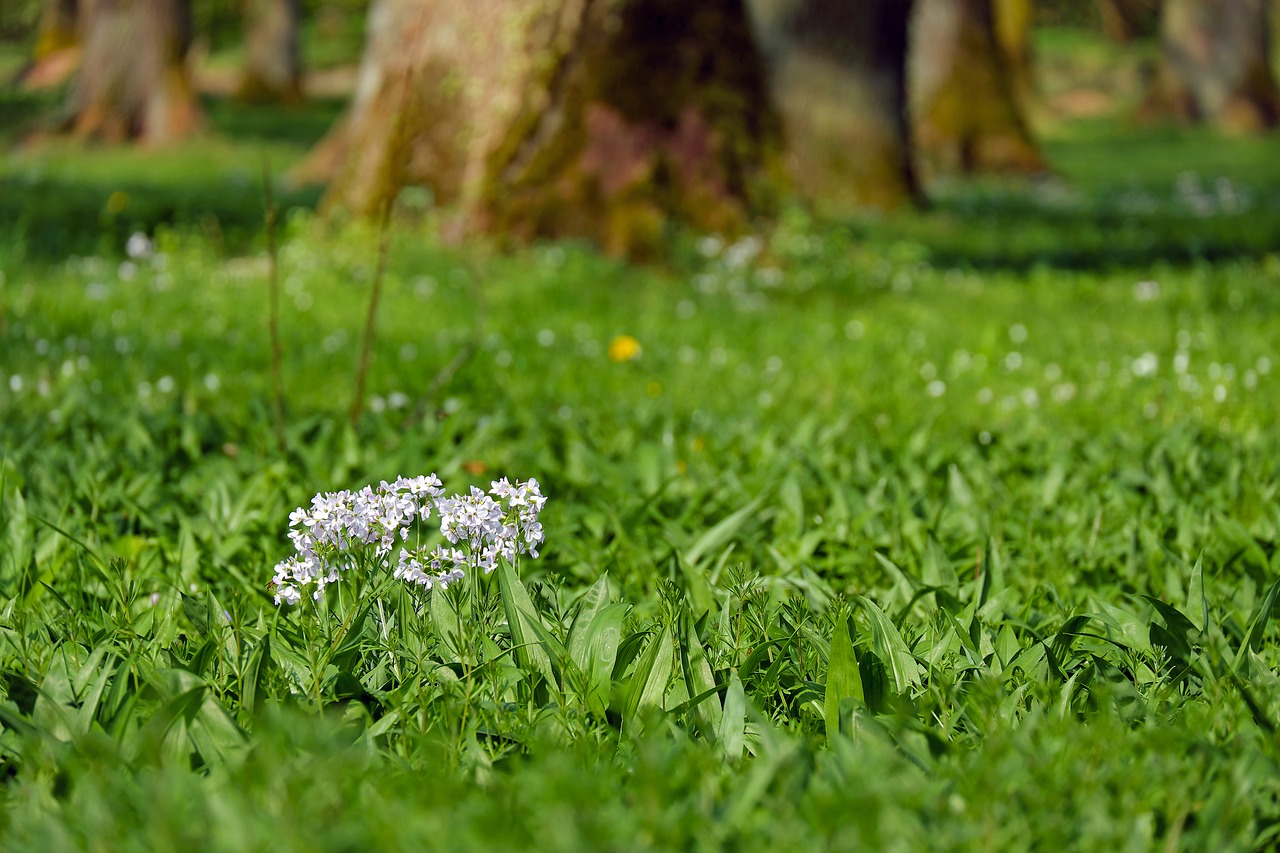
950 531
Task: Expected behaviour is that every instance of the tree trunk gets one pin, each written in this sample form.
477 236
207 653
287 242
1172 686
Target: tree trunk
1014 22
59 27
273 66
600 119
1125 20
134 82
1216 64
57 50
964 91
838 77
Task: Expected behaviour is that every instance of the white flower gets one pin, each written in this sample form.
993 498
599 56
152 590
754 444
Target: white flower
339 526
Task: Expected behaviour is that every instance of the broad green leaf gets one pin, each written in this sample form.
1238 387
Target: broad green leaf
197 612
445 622
1197 602
91 699
603 639
1182 633
724 530
696 585
891 649
589 606
732 732
1063 641
649 682
253 681
958 487
939 573
17 550
699 678
175 710
905 586
1257 626
992 574
528 635
843 678
875 681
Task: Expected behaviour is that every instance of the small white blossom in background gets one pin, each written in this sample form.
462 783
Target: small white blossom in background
1146 291
480 529
138 246
1145 365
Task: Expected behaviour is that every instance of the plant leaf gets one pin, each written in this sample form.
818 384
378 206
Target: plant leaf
528 634
891 649
649 683
843 679
699 678
732 734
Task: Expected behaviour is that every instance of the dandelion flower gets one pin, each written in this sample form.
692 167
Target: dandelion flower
624 348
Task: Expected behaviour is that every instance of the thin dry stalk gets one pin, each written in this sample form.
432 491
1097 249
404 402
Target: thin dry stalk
370 322
399 150
273 313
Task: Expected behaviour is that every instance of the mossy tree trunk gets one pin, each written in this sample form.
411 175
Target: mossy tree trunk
601 119
1216 64
838 77
273 64
57 50
59 27
134 82
1014 21
968 114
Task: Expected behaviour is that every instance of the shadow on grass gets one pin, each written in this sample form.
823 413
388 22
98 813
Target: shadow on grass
1122 197
299 125
52 219
60 198
1018 235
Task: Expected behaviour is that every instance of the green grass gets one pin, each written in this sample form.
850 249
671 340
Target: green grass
972 516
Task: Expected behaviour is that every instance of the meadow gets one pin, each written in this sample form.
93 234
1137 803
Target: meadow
951 531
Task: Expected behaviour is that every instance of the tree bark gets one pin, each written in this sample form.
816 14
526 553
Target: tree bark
1125 20
601 119
57 50
134 83
1014 22
838 78
964 91
59 27
273 65
1216 64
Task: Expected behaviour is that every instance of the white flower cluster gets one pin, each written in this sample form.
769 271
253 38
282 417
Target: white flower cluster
478 527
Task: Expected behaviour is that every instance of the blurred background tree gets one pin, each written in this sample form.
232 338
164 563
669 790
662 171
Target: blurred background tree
1126 20
134 80
971 81
610 119
838 76
273 63
1216 64
581 118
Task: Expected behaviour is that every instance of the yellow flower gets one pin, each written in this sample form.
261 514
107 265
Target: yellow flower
624 348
